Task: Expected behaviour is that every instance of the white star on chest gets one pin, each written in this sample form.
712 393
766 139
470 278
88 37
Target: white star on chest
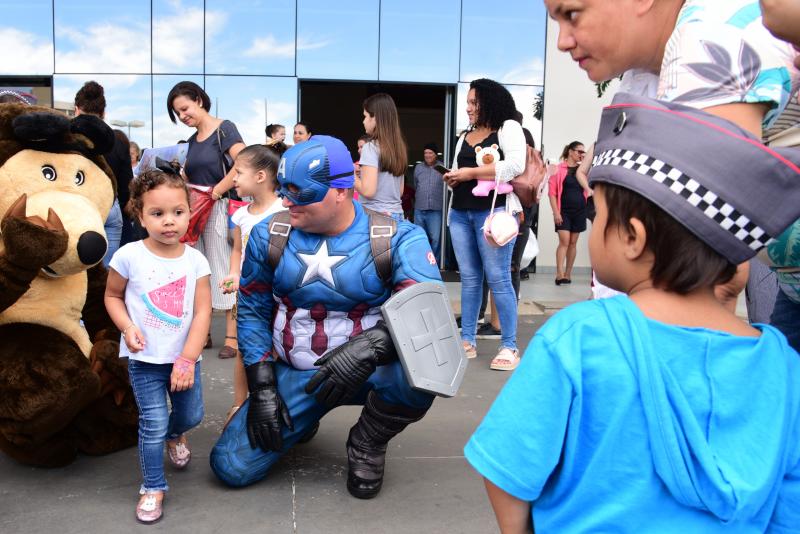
320 265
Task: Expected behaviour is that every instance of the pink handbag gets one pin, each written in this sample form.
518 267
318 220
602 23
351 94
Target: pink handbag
501 227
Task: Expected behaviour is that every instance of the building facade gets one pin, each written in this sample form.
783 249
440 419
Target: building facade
253 58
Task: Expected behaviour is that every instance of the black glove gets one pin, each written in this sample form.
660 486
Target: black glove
346 368
266 408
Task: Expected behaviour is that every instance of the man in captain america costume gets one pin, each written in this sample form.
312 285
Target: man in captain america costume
311 331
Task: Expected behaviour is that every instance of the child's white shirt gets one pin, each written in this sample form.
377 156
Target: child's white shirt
159 298
246 221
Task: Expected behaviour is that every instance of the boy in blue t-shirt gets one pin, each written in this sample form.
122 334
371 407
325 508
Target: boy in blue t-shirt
659 410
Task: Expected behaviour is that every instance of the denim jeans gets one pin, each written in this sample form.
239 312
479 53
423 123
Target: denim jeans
237 464
786 318
431 222
475 258
113 228
150 383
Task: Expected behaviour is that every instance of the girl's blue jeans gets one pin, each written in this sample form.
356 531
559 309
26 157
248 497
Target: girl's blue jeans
150 383
475 257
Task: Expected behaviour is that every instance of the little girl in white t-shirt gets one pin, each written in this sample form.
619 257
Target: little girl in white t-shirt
255 176
158 294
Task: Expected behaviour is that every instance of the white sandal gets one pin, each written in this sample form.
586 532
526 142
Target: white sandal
506 360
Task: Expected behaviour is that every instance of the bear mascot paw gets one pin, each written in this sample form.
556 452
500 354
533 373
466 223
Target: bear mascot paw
63 387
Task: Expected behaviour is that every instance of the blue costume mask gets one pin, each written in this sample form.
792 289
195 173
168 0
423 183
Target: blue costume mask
313 167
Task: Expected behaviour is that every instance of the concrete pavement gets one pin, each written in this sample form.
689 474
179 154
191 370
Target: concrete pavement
429 487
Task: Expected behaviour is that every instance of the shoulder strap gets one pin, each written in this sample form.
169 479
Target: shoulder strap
279 229
381 229
222 155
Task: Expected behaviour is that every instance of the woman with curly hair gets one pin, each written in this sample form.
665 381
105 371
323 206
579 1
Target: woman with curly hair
491 111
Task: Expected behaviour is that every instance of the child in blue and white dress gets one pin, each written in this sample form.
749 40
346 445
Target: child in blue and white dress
159 295
255 176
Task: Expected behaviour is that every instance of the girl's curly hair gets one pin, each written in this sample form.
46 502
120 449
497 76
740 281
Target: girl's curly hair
147 181
495 103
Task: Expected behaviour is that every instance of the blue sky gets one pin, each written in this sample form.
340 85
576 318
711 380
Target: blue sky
411 40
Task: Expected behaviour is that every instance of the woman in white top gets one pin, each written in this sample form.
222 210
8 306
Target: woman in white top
383 159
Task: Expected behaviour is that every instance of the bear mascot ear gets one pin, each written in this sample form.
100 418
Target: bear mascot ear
96 131
40 126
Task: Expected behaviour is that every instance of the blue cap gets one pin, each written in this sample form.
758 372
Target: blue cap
313 167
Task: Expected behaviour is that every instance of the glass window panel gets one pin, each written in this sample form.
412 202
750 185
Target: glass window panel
178 36
420 40
337 40
252 102
26 37
462 121
247 37
101 36
165 133
127 100
524 98
515 53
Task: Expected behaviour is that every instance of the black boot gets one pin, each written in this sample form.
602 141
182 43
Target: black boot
366 445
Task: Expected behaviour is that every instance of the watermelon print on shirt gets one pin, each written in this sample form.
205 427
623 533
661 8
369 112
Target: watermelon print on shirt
159 297
165 304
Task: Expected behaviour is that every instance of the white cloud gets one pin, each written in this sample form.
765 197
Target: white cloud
65 86
528 73
25 53
104 47
269 46
176 37
165 133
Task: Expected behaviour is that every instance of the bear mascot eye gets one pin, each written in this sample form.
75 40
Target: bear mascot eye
49 173
79 178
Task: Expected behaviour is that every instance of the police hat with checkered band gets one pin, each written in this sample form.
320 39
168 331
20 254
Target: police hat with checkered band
714 177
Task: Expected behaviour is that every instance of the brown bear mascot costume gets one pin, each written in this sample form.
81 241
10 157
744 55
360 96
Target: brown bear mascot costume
63 388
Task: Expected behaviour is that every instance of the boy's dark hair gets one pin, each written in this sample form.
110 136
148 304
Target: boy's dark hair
91 99
272 128
364 137
264 157
191 91
496 105
682 263
147 181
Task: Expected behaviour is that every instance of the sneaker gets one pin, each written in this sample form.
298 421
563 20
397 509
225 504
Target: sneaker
487 331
